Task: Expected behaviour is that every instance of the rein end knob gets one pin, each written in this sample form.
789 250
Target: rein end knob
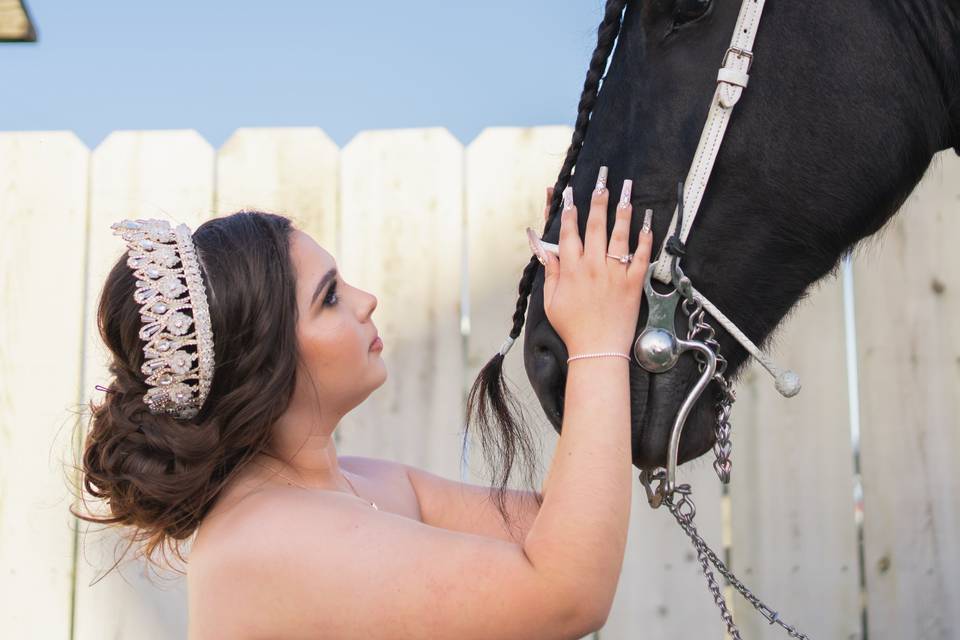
788 383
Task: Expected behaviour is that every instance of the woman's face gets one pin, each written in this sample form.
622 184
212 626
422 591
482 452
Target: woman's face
334 331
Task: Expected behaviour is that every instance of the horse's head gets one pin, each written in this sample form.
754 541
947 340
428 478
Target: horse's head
846 105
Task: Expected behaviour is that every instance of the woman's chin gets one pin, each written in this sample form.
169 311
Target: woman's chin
384 368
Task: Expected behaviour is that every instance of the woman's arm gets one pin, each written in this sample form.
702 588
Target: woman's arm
465 507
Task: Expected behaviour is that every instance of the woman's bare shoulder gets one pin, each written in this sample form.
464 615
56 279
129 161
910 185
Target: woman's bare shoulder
228 525
263 517
243 510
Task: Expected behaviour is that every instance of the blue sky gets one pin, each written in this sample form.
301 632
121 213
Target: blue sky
214 66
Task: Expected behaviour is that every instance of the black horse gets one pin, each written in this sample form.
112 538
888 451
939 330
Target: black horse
846 105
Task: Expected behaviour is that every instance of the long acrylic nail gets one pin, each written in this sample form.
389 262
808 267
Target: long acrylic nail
536 242
536 247
601 180
625 194
568 197
647 220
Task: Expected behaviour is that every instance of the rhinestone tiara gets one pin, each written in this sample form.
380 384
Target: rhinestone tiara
161 259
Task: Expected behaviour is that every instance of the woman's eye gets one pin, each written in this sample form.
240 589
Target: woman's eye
331 298
685 11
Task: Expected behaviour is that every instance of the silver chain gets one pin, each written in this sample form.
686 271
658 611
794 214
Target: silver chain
683 510
722 447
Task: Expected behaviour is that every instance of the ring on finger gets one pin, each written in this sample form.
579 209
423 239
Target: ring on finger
622 259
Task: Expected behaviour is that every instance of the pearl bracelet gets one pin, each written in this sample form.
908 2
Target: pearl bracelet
597 355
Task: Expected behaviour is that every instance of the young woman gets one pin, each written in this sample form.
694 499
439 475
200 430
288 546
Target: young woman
288 539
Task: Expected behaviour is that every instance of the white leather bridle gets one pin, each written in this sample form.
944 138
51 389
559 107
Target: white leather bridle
657 348
731 81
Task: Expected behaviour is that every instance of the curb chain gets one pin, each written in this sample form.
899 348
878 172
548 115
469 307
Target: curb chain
722 446
684 510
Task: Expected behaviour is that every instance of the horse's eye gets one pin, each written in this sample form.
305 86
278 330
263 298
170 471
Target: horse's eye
685 11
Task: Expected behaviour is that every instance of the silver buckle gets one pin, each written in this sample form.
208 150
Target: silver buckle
740 53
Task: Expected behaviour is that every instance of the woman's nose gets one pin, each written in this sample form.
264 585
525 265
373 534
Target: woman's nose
373 303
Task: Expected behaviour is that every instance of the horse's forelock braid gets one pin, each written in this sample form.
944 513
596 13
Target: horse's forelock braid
489 388
524 289
607 34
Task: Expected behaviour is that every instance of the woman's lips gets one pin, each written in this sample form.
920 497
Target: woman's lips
377 344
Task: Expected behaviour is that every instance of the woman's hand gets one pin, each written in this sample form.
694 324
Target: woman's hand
593 300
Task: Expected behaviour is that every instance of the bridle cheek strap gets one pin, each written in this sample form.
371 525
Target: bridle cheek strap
732 79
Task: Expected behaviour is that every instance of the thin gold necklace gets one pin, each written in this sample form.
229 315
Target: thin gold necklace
372 503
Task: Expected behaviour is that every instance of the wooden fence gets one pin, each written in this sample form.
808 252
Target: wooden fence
450 218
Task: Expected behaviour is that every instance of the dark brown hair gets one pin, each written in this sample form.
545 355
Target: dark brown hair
502 435
158 475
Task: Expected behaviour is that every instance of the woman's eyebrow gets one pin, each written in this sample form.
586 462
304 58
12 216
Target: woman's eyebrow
327 277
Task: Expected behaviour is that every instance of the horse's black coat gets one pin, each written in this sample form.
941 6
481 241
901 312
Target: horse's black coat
846 105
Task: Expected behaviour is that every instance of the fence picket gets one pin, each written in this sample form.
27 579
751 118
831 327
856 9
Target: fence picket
507 172
793 532
133 174
907 305
401 229
293 171
43 200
